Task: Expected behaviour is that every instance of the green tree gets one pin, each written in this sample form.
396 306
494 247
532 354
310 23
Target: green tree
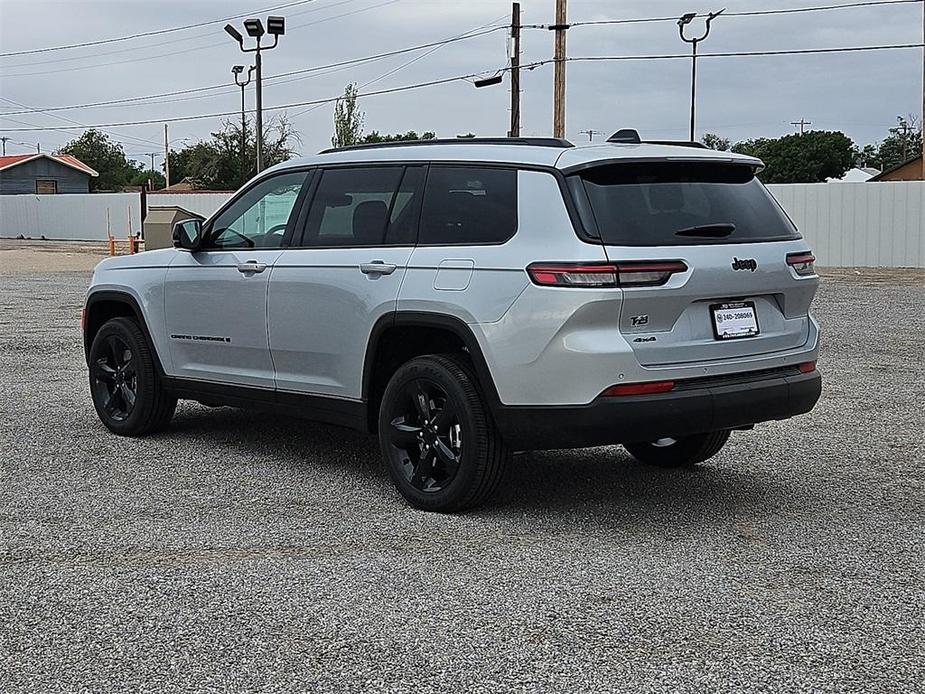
867 156
348 119
142 177
376 136
714 141
903 143
809 158
107 158
218 164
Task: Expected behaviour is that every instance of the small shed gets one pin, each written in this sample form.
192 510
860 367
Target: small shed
159 222
44 174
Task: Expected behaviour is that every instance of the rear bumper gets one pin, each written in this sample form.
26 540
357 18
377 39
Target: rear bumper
692 408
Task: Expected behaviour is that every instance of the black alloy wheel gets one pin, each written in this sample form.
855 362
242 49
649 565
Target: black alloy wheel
125 385
438 442
115 379
425 435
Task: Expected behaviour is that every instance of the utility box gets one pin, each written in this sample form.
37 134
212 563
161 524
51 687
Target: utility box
158 226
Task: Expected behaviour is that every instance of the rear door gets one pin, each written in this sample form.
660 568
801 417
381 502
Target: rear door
342 274
725 288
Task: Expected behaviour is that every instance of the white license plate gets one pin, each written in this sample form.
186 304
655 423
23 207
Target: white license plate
733 320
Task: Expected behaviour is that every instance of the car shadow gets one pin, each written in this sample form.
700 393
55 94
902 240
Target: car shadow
603 481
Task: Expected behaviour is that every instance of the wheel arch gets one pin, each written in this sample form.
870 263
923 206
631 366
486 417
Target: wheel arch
436 332
105 305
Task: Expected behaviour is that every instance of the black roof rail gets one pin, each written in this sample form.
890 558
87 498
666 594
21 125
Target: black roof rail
677 143
527 141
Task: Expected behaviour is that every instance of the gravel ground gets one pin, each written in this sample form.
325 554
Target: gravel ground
241 552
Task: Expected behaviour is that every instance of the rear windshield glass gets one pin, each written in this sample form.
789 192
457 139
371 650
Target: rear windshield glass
676 203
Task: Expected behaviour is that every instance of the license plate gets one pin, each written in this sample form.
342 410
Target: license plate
734 320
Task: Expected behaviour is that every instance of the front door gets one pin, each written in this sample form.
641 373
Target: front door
216 298
342 274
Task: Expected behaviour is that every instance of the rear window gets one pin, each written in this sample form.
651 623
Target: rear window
468 205
678 203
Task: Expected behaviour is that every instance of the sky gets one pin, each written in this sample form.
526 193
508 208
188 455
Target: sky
737 97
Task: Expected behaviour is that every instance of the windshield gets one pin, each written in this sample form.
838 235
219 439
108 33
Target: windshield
648 204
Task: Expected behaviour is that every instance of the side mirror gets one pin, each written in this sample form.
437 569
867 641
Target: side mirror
188 234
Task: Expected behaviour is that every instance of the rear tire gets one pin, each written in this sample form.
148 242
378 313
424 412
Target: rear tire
682 452
124 384
440 447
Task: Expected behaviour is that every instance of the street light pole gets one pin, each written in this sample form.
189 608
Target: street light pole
237 70
276 27
683 22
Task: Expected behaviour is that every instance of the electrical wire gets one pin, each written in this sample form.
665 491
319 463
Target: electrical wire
269 79
749 13
156 32
172 54
528 66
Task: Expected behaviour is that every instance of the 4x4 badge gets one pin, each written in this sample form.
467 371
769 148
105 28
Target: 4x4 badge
744 264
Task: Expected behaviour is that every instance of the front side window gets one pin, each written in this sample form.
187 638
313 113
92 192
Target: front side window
259 217
469 205
364 206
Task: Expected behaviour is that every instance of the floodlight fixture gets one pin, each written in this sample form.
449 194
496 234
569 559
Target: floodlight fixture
254 27
276 26
234 33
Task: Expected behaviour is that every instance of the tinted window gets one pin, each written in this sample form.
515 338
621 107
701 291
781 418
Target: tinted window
258 218
469 205
642 204
367 206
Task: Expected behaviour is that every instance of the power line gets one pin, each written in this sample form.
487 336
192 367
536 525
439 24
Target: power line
229 89
172 54
529 66
162 42
751 13
156 32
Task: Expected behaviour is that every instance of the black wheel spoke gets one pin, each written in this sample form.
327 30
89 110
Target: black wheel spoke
128 396
104 371
446 456
444 417
128 368
423 471
404 435
421 400
112 346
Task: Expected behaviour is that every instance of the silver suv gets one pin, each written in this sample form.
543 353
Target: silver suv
465 299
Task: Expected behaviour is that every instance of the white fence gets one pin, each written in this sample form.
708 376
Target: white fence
859 224
846 224
201 203
77 217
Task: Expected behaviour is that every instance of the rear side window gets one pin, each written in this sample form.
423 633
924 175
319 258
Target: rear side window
468 205
682 203
364 206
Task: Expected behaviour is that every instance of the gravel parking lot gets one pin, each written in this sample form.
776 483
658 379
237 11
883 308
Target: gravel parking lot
243 552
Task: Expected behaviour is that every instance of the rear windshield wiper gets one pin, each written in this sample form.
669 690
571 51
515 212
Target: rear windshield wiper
716 231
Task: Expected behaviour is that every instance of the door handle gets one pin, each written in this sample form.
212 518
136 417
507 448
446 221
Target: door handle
251 266
377 267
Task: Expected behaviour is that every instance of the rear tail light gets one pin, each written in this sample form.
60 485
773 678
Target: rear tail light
802 263
807 367
638 389
645 273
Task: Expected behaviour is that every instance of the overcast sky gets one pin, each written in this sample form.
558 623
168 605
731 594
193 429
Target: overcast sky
739 97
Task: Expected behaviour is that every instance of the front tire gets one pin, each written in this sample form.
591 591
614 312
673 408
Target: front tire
126 389
440 447
681 452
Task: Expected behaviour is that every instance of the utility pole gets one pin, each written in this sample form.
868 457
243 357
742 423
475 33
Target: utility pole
683 22
4 140
166 159
560 27
515 71
802 123
591 134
